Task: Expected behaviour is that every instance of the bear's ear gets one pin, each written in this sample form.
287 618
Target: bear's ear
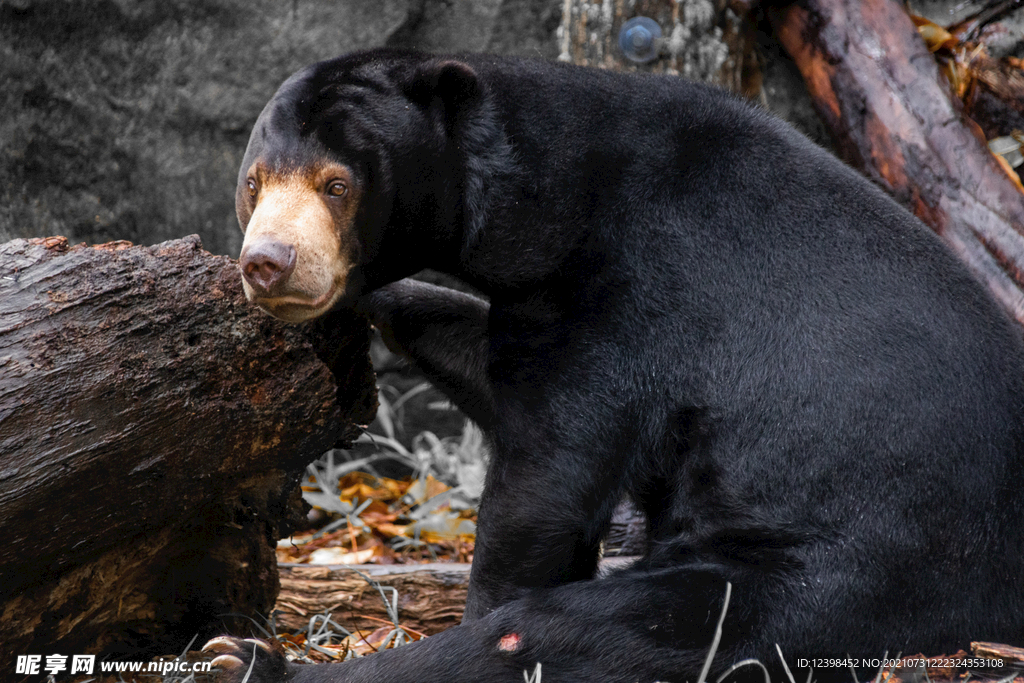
447 85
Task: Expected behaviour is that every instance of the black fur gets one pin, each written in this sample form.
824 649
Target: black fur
692 305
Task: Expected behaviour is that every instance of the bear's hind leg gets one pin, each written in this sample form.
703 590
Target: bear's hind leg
637 625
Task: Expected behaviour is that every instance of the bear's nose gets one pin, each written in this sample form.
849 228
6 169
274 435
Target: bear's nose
266 264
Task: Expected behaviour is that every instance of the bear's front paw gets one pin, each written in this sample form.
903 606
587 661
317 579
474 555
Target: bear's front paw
237 656
382 305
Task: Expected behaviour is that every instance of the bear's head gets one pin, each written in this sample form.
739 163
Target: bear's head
353 178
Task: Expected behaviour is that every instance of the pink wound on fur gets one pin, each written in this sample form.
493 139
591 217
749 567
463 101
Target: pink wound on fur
509 643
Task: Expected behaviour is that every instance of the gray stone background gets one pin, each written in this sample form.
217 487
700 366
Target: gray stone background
127 119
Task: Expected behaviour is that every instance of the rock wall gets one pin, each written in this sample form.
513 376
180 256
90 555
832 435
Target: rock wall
127 119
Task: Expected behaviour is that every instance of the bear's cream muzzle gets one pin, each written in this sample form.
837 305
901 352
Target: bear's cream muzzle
292 258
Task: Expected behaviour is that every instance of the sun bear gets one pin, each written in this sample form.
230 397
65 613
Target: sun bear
689 304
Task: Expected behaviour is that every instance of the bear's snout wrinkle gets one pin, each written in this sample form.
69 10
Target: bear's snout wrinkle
267 264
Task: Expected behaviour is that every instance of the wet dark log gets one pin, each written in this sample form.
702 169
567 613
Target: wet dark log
153 427
891 113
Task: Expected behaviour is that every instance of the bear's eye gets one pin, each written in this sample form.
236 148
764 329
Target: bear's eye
252 187
337 189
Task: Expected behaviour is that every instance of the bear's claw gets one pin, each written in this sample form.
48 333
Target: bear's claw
237 656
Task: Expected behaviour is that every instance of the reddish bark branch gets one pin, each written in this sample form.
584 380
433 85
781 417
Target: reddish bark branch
890 111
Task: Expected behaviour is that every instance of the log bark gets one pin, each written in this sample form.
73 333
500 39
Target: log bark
1011 656
153 428
892 115
431 597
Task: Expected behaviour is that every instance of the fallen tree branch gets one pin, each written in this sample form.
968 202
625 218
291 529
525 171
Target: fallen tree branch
880 92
